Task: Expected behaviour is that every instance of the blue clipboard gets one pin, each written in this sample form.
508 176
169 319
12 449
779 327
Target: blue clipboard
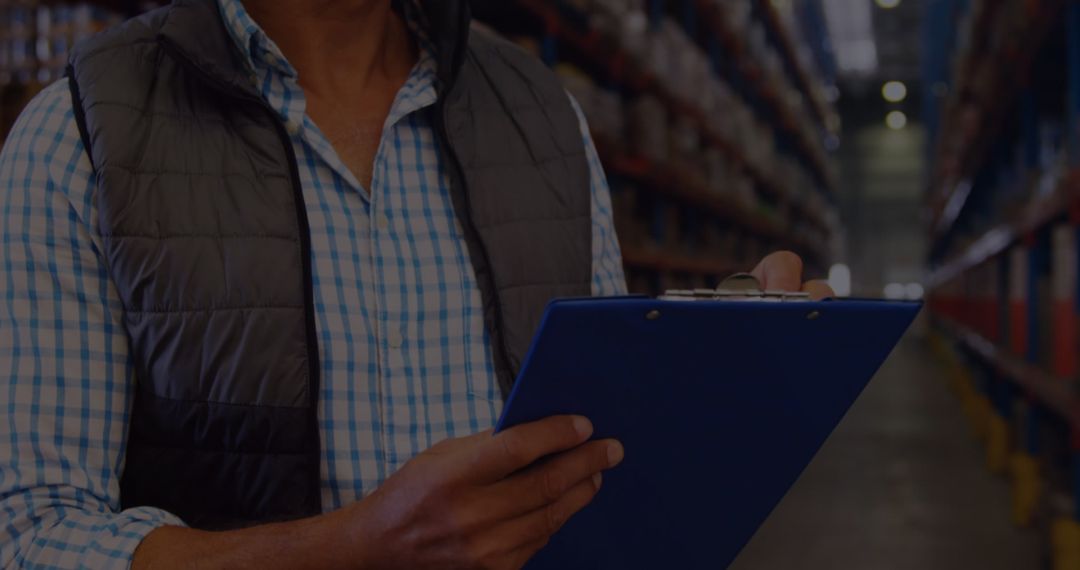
720 406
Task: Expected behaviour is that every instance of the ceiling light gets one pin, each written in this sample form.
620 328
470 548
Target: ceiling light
888 4
894 291
851 31
896 120
894 91
840 280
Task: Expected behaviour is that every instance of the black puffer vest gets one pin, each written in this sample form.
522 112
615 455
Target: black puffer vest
205 236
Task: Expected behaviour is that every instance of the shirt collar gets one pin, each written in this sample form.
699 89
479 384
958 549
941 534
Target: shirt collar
258 48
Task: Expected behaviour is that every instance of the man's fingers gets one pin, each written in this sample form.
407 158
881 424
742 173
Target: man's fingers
550 480
780 271
818 290
520 446
545 521
521 556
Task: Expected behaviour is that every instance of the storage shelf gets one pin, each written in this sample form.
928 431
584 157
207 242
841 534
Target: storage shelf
1031 218
768 93
762 182
626 72
125 7
671 182
964 150
662 261
1051 391
822 112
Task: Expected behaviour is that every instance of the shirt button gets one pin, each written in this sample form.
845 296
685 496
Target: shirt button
396 339
383 222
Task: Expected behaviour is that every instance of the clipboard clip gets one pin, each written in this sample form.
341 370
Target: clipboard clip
738 287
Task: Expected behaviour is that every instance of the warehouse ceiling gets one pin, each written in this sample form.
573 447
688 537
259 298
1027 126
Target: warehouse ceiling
881 169
894 36
898 35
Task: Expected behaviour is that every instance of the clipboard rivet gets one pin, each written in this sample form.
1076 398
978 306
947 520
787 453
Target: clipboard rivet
652 315
813 316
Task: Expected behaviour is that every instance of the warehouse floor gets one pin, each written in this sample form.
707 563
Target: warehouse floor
900 485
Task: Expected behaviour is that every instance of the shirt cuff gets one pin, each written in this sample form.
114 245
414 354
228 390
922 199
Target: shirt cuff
114 543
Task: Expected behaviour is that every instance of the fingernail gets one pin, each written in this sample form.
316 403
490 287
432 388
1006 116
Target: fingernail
583 427
614 453
596 479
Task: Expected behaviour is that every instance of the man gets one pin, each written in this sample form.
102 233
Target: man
260 259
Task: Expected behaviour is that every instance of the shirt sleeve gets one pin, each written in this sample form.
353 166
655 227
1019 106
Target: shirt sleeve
65 377
608 277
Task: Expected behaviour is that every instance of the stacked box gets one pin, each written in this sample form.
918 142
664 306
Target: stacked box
35 39
647 127
1042 353
991 299
979 300
1018 298
630 225
1064 315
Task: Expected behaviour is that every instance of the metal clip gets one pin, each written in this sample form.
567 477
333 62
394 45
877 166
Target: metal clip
740 282
738 287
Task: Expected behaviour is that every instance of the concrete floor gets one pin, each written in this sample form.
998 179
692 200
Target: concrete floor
899 485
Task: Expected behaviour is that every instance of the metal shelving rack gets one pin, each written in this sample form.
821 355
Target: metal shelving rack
20 80
1040 385
563 29
988 82
811 151
1002 247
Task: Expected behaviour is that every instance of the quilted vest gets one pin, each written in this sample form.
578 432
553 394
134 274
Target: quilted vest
206 239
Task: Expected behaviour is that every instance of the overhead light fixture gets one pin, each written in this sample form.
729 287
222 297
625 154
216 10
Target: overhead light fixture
894 291
851 31
894 91
888 4
896 120
840 280
900 291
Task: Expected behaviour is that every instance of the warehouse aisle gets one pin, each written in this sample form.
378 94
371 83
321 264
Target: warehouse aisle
900 485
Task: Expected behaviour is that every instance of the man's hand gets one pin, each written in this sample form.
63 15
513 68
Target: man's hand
782 271
483 501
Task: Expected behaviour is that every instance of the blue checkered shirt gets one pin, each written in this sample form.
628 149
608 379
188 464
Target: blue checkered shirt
406 360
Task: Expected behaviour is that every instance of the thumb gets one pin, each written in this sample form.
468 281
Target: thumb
780 271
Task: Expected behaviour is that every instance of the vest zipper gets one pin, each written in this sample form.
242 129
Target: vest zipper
499 351
305 257
309 306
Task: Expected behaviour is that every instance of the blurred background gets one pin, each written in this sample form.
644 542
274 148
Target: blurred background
908 149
